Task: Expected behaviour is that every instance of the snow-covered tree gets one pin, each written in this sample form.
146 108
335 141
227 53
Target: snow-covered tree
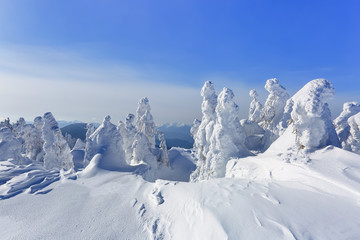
163 156
10 146
353 141
142 151
70 140
227 139
6 123
128 132
79 145
308 115
90 129
205 129
341 122
33 142
107 142
18 127
145 122
195 127
57 151
274 106
255 109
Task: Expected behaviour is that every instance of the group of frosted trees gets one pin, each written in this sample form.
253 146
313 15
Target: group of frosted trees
128 143
220 135
41 141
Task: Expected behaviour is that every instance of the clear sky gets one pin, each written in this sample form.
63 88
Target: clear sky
84 59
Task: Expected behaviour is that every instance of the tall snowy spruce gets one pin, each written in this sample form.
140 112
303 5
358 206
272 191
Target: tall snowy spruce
128 132
57 151
308 116
274 106
203 130
145 121
106 143
255 109
90 129
353 140
144 140
163 155
33 142
222 138
227 140
10 146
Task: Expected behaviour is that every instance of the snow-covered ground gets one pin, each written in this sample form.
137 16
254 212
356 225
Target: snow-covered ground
263 197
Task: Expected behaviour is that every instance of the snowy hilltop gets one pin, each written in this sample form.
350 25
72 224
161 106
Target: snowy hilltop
287 171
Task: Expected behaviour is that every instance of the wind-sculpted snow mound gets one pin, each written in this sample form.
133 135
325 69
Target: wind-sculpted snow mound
308 119
31 178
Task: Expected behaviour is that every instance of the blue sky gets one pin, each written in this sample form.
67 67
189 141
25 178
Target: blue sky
169 46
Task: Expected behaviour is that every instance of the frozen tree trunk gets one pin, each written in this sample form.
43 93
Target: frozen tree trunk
57 151
204 130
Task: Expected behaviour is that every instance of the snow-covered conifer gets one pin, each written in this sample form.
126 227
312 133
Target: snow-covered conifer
79 145
163 153
255 108
195 127
57 151
353 141
309 118
205 129
10 146
274 106
128 132
107 141
33 142
70 140
227 139
142 151
145 122
6 123
341 122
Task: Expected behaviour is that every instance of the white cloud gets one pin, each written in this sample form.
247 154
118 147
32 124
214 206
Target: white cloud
35 80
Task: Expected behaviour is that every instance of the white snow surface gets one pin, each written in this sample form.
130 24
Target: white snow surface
264 197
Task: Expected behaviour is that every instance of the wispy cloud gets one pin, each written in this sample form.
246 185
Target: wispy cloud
35 80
